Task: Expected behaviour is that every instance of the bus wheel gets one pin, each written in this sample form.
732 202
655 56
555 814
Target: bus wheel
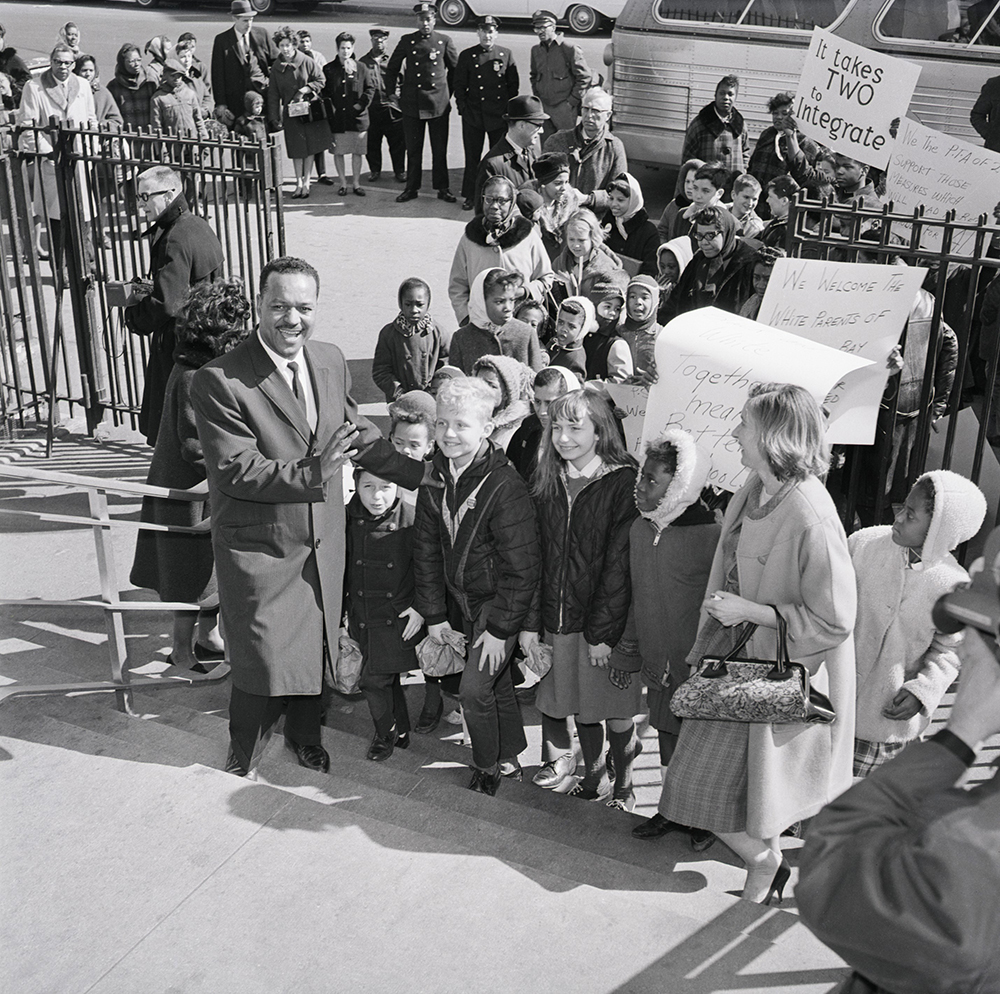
453 13
583 20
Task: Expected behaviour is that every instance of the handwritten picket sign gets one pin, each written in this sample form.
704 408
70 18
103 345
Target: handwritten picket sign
630 401
706 362
848 96
852 307
932 170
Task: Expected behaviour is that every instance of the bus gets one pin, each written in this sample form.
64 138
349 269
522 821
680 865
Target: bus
666 57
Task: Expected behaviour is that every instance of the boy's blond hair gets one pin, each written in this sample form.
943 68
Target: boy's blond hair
467 393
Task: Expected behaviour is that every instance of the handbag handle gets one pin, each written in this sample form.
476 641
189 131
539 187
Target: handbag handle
783 662
718 668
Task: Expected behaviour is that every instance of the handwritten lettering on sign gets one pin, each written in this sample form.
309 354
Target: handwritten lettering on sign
848 96
631 403
708 359
939 173
854 308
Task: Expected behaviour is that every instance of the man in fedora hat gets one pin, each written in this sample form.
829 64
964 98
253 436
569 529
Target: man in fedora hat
514 154
384 122
485 79
242 58
424 99
559 73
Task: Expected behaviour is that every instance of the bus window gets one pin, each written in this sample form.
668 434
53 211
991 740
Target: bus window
959 23
801 14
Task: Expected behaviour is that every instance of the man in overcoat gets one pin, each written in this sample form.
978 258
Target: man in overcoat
515 153
242 58
424 99
384 121
277 423
485 79
559 73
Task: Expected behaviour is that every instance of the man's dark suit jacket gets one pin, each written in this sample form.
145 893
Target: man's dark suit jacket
232 75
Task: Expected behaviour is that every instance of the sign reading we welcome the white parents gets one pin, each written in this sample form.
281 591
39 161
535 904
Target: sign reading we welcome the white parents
706 362
848 96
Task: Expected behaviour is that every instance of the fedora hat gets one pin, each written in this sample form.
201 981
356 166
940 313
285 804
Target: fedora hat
241 8
525 108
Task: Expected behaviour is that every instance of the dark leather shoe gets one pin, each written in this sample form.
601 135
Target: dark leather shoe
406 195
447 196
326 180
468 205
374 175
381 748
312 757
484 782
403 741
234 766
701 839
400 177
429 720
512 771
653 828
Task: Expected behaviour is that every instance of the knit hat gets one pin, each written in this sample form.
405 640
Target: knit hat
414 406
528 203
694 463
682 250
599 287
959 510
549 165
515 376
647 282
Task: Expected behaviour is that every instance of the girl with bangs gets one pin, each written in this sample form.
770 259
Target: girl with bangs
583 493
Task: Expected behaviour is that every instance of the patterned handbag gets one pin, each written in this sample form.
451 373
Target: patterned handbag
733 688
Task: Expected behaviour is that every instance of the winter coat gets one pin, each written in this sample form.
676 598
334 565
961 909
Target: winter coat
559 77
638 243
522 449
985 114
592 163
302 138
134 96
572 272
792 552
403 363
349 96
504 159
574 358
484 82
476 539
184 252
771 158
711 139
518 250
178 111
585 584
379 586
425 87
13 66
733 283
232 75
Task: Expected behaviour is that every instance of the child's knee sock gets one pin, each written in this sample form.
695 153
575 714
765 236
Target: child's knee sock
668 743
623 747
556 739
592 747
432 695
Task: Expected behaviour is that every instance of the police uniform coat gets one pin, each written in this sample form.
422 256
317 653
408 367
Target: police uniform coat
484 82
425 91
278 530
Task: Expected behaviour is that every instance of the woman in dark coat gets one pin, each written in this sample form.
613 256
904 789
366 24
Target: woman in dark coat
630 234
181 567
350 89
133 88
295 78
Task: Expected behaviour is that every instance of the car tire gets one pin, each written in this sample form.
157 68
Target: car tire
148 3
583 20
263 6
453 13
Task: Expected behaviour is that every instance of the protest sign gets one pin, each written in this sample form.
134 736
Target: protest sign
939 173
706 362
848 96
630 401
852 307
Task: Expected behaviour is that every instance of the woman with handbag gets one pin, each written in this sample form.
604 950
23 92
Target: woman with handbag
295 83
350 89
782 550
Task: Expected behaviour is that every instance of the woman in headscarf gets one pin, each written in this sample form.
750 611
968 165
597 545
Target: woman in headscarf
159 49
501 237
721 272
350 89
630 233
133 87
69 35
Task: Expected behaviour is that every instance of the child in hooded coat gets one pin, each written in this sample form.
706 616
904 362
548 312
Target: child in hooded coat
513 380
630 233
642 301
904 664
672 259
608 354
575 320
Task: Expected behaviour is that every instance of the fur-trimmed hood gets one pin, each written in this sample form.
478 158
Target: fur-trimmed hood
959 510
519 230
691 477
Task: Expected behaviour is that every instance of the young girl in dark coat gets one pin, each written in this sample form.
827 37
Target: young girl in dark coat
631 235
583 492
378 592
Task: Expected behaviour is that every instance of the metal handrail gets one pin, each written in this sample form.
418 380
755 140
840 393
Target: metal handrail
101 522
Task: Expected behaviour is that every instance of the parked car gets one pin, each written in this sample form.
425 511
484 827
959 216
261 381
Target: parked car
261 6
581 18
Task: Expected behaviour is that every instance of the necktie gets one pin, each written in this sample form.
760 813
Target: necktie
297 391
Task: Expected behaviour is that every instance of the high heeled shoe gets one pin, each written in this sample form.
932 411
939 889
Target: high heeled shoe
777 887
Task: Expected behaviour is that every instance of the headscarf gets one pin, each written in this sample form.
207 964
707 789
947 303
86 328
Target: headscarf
122 70
75 49
682 249
493 235
635 202
159 49
477 303
570 378
730 233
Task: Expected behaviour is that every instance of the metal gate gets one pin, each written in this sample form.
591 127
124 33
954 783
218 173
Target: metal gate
87 186
962 258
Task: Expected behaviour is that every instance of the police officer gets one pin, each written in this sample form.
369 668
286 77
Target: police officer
486 78
559 73
424 99
384 122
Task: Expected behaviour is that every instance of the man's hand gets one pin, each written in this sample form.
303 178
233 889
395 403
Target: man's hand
339 450
599 654
527 641
975 715
437 631
903 707
415 620
493 651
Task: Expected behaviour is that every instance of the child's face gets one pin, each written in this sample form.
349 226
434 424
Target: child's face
689 184
500 303
618 202
639 303
569 328
761 276
651 486
703 192
414 303
909 529
578 241
744 201
670 270
490 377
459 432
575 441
543 396
531 316
412 440
556 186
376 495
778 205
610 311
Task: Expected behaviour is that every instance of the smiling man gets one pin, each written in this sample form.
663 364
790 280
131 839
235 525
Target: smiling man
277 423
